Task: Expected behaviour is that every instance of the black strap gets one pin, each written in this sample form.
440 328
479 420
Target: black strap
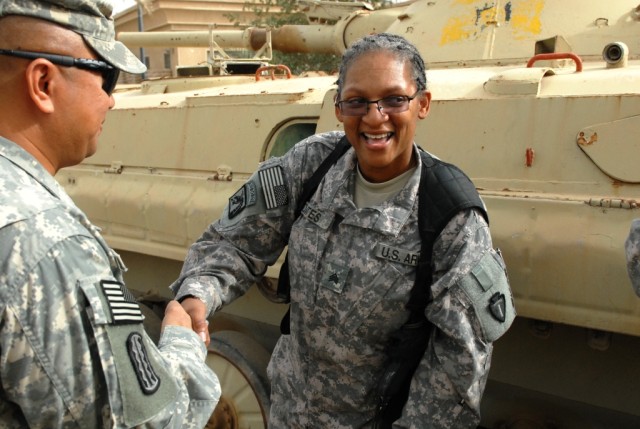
444 191
310 186
308 189
409 343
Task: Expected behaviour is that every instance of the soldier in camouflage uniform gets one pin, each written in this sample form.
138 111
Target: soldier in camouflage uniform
73 350
352 261
632 248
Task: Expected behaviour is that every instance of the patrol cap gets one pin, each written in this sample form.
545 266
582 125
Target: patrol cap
89 18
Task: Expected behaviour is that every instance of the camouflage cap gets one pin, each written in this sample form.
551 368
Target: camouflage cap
89 18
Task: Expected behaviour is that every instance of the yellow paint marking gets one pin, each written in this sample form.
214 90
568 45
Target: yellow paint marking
470 18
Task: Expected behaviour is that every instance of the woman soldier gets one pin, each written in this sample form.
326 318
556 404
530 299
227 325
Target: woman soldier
353 259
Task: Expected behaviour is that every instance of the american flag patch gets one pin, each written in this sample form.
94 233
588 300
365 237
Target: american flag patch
123 306
273 187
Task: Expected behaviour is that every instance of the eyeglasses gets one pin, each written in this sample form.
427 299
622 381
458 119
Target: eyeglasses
386 105
109 73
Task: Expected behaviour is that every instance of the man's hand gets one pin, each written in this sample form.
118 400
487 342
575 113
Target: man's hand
197 310
175 315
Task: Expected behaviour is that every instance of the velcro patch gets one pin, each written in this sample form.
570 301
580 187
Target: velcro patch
147 378
334 277
395 254
273 187
244 197
123 306
321 218
487 286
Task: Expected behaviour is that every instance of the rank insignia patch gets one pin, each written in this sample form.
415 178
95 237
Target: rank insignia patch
273 187
123 306
147 378
334 277
245 197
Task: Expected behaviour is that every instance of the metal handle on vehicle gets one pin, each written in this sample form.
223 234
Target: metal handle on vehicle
272 69
557 56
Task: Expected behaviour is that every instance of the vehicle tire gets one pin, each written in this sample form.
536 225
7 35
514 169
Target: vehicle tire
241 366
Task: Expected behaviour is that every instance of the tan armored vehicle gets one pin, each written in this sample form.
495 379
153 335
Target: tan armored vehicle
538 101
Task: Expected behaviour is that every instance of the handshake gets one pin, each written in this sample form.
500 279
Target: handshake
190 314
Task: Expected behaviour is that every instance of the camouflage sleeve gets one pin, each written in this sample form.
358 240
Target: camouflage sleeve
49 367
60 363
234 251
28 397
632 250
449 382
185 353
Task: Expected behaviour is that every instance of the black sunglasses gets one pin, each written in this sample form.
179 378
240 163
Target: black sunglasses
109 73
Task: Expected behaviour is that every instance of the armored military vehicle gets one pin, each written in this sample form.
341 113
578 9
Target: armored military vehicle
537 100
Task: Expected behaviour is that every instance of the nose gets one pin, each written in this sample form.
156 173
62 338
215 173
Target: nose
378 112
377 103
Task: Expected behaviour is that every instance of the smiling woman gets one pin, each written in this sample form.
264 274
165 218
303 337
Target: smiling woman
355 237
382 137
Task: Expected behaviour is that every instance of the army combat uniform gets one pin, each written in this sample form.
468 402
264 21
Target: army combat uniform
632 250
351 272
73 352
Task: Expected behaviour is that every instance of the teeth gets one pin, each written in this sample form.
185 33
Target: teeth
377 136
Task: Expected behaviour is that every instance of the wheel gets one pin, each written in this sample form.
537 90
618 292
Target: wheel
240 364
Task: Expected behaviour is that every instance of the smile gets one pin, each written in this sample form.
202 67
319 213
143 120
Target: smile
384 136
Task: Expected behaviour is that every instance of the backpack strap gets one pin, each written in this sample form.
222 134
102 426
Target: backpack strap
308 189
444 191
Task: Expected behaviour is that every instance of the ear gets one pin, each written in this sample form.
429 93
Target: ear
41 81
425 105
339 114
337 109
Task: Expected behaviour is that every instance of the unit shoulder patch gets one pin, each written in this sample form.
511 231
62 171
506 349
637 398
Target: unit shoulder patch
487 286
243 198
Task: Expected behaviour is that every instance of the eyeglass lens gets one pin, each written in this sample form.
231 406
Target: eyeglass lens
109 73
387 105
109 79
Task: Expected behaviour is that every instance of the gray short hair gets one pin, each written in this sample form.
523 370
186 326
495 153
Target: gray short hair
385 42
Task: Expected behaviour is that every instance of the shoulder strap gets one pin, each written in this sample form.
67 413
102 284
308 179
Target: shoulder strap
308 189
444 191
310 186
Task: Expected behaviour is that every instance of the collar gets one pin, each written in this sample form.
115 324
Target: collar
389 217
22 159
